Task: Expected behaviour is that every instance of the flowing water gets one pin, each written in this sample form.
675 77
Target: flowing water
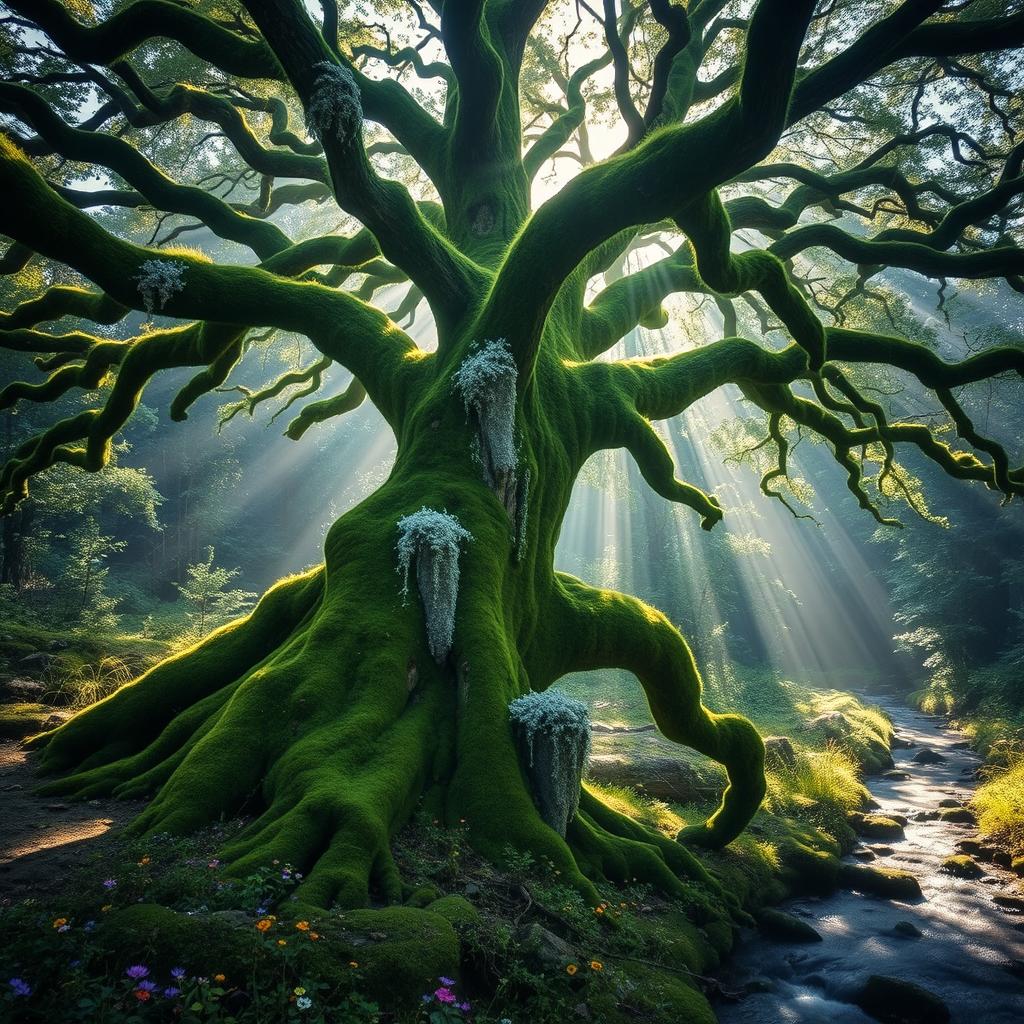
970 951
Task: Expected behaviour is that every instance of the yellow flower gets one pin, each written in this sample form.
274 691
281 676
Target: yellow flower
596 965
106 907
264 924
303 926
282 942
219 978
60 922
353 964
599 909
299 991
571 969
143 862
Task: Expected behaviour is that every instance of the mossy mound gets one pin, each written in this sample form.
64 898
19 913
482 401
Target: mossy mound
399 952
957 815
17 720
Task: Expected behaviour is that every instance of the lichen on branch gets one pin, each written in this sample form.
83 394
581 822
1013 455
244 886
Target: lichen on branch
335 107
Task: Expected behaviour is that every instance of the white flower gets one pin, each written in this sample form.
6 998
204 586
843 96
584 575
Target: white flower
303 1002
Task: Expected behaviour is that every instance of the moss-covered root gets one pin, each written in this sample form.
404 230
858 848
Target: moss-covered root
611 630
148 723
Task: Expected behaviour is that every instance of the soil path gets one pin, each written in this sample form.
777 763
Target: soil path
41 838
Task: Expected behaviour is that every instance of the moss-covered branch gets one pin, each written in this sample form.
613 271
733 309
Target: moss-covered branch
605 629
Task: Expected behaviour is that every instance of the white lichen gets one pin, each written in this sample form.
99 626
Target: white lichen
335 107
434 539
486 381
554 731
158 281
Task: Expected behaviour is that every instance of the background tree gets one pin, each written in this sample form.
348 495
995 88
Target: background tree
748 135
206 590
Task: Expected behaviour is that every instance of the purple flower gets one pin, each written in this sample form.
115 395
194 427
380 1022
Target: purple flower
110 883
464 1007
75 963
147 986
444 995
172 992
447 982
89 926
21 988
426 998
261 911
215 863
137 971
177 973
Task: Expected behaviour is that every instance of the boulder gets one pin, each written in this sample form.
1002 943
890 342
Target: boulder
783 927
895 1001
1014 903
779 752
875 826
19 690
961 866
885 882
663 778
543 949
832 724
957 815
907 930
928 756
951 802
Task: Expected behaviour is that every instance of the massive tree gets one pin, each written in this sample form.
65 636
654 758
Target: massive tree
749 137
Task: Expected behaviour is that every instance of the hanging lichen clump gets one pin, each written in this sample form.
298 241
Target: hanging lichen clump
158 281
335 107
553 732
434 539
486 380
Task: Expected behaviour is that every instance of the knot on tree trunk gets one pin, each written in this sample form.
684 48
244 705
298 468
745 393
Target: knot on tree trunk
553 733
434 539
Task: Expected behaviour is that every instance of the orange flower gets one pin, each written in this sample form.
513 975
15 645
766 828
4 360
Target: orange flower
571 969
599 909
596 965
143 862
264 924
59 922
313 936
303 926
219 978
142 995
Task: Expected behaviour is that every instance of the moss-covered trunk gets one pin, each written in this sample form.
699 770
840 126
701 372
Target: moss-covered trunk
333 709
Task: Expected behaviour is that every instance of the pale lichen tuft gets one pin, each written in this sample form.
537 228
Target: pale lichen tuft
434 539
158 281
335 107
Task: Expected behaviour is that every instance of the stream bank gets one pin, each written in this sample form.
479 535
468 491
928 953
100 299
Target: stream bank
955 942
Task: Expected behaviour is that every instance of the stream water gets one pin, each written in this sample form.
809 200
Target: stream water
970 951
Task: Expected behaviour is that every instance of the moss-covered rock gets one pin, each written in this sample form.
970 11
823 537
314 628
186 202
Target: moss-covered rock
457 910
783 927
957 815
22 719
961 866
888 883
896 1001
875 826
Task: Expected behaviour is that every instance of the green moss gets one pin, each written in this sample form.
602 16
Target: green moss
457 910
17 720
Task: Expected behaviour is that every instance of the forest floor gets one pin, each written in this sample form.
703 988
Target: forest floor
83 905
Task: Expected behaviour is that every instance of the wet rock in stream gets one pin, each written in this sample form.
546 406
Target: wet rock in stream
896 1001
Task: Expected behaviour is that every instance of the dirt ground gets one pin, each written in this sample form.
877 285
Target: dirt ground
43 838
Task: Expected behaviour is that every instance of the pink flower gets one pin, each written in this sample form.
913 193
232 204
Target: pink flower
444 995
